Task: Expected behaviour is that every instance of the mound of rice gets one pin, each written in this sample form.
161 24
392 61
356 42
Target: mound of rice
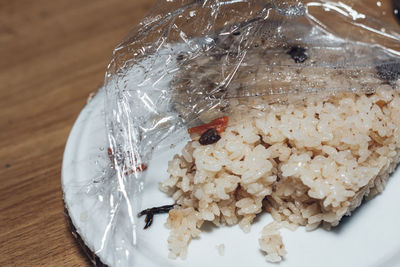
308 164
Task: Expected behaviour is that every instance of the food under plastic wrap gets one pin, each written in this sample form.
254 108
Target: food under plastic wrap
293 108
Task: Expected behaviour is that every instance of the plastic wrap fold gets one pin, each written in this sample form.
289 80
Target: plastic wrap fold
187 62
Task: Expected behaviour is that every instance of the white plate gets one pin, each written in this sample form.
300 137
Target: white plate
370 237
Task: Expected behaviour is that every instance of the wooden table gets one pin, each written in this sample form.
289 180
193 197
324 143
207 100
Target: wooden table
52 55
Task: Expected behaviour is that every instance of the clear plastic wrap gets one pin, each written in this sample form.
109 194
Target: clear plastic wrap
188 61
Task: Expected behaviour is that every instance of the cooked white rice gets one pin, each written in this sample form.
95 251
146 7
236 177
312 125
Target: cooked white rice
307 164
221 249
271 242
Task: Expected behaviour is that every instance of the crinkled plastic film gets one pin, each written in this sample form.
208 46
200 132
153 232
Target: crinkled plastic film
188 62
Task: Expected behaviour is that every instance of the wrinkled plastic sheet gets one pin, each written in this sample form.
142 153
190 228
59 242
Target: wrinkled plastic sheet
187 61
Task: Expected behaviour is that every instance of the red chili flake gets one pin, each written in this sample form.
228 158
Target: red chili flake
142 167
218 124
110 154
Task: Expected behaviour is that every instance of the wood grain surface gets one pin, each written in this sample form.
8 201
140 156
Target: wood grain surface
52 55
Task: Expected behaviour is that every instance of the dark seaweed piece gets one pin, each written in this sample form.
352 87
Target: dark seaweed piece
152 211
209 137
388 72
298 54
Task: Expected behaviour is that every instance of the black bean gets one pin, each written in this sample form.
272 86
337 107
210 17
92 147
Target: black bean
209 137
298 54
152 211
